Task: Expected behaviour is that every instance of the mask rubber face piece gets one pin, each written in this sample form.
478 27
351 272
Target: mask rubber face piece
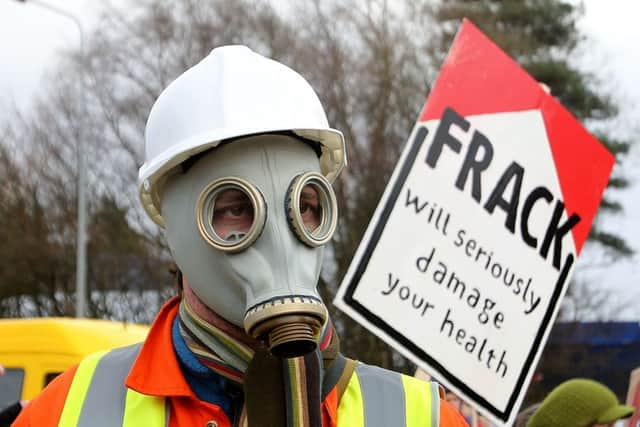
230 233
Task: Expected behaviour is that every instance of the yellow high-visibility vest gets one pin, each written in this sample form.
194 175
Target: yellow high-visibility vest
373 397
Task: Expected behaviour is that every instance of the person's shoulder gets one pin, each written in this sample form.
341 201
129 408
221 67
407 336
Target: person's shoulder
45 409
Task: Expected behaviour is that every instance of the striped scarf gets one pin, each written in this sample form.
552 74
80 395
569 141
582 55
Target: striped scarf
267 381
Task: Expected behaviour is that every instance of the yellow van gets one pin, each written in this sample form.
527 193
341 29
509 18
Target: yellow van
34 351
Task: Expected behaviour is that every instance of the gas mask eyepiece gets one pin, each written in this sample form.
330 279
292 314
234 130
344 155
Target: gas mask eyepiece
231 214
312 210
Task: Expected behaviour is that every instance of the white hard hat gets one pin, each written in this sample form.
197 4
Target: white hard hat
232 92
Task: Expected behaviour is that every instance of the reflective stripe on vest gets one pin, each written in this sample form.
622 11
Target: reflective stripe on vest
376 397
98 397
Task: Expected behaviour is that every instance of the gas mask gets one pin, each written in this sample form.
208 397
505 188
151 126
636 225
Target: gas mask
246 224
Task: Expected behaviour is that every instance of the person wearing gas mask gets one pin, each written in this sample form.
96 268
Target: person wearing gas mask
239 165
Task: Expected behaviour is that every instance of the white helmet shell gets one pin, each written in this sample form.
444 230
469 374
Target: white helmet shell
232 92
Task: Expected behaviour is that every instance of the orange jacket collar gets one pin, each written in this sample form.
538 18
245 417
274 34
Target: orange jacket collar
156 371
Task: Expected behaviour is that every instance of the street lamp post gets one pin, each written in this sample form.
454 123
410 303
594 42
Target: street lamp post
81 242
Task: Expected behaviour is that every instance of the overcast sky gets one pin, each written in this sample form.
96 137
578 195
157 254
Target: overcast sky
31 39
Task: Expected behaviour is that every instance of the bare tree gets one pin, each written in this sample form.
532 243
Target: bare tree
370 62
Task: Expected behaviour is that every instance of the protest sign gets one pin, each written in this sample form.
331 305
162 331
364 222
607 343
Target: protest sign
472 245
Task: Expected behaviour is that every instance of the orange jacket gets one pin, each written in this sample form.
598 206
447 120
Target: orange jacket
156 372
